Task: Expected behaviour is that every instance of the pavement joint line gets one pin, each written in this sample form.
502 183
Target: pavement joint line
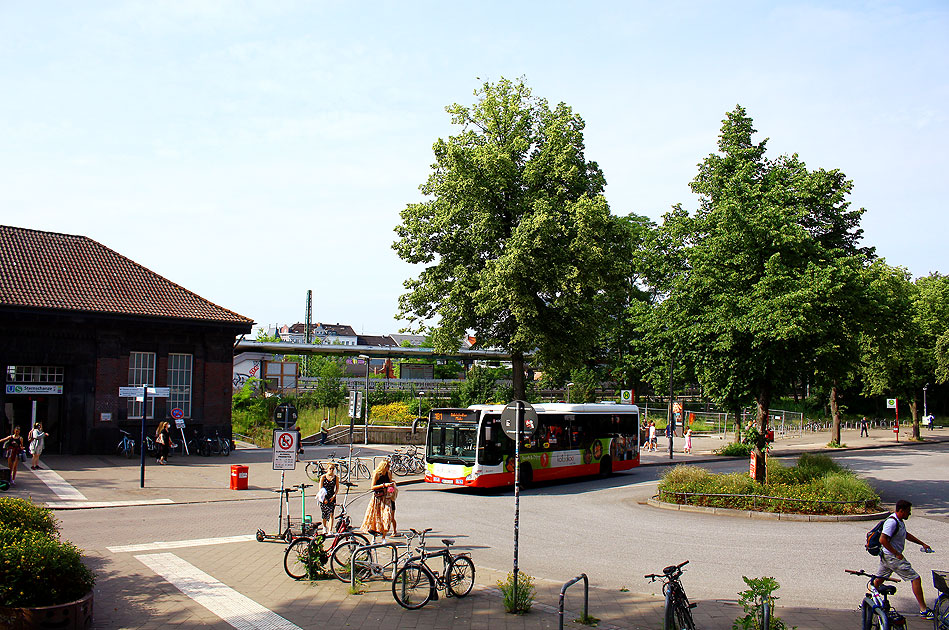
85 505
232 607
177 544
62 488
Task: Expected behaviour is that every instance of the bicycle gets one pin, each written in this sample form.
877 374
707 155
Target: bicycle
126 445
941 607
875 610
216 445
678 610
415 583
317 468
368 566
297 555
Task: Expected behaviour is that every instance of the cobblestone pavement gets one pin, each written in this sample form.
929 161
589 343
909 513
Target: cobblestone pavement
247 578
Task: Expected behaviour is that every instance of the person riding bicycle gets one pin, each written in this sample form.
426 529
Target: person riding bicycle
892 540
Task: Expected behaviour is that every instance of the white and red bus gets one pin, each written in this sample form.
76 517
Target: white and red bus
468 447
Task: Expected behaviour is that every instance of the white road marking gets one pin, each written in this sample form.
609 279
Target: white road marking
80 505
239 611
58 485
177 544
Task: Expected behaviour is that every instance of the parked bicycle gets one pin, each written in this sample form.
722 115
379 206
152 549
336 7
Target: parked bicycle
407 461
678 611
214 446
298 553
941 607
369 564
126 445
416 583
876 612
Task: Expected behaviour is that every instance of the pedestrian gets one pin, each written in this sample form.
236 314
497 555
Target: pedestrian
688 440
864 427
380 515
163 439
323 432
892 541
37 443
930 420
14 445
329 488
653 440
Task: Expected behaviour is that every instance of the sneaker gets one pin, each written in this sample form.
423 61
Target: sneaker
926 614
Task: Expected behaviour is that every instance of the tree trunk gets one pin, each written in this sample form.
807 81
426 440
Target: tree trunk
517 376
764 405
914 409
737 413
834 414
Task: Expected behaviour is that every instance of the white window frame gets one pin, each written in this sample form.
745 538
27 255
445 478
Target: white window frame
180 370
141 373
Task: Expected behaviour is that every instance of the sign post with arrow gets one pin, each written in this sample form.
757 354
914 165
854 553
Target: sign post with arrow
141 393
519 421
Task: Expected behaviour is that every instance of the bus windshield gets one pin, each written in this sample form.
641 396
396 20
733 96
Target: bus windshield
451 443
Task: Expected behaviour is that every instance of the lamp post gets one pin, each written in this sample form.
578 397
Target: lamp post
568 392
366 421
420 394
925 410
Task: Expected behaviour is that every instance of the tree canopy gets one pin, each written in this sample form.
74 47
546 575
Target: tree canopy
517 241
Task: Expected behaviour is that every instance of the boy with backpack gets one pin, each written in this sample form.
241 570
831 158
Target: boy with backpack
893 537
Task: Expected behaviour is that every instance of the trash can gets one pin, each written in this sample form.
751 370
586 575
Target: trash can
238 477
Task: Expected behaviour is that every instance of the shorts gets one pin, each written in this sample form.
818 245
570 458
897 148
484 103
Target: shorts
891 564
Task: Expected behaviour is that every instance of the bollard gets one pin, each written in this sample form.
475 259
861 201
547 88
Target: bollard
367 548
239 477
586 595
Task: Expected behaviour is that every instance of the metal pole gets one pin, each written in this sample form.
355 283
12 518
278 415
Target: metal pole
670 425
141 444
925 410
517 491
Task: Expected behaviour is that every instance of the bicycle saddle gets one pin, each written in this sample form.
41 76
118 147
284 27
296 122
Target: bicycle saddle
448 542
419 533
887 589
285 490
670 570
303 485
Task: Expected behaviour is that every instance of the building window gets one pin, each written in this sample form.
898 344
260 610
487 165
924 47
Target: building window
141 372
179 381
34 374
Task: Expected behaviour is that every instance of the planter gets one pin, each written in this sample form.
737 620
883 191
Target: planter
75 615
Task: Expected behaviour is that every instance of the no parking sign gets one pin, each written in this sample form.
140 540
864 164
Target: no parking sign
284 450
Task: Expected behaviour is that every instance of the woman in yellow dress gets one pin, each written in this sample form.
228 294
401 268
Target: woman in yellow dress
380 515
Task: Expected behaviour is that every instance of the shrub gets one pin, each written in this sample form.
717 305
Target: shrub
40 570
18 513
735 449
397 413
520 601
759 590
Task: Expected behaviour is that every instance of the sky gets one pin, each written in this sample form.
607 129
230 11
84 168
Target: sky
250 151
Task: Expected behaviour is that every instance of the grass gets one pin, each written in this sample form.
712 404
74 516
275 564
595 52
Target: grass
813 478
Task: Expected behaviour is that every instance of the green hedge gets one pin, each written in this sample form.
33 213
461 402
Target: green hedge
36 567
814 478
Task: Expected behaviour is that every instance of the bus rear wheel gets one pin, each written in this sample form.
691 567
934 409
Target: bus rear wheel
606 467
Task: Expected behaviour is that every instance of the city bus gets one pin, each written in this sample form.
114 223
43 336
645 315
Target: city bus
468 447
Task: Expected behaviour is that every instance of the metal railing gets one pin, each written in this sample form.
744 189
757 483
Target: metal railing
586 596
365 549
868 503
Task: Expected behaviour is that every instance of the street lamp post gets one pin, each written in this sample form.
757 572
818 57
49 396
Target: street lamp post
925 410
420 394
366 421
568 392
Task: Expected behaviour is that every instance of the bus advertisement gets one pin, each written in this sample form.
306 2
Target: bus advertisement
468 447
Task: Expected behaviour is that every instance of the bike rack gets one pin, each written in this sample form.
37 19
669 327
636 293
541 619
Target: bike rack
586 595
352 559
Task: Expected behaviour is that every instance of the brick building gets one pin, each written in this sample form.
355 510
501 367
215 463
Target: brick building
78 321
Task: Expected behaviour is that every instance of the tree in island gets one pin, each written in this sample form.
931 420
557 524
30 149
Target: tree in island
517 241
761 274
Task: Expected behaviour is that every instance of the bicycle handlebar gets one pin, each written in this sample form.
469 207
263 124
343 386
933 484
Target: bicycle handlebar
672 571
870 575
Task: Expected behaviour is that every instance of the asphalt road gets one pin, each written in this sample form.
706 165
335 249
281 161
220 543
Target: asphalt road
603 528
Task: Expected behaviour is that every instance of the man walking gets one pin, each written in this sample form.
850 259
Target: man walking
892 540
864 427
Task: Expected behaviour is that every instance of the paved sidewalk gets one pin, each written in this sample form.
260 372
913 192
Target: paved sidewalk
131 595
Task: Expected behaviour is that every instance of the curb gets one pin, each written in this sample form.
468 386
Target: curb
767 516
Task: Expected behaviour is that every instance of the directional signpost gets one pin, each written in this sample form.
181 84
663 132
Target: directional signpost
179 416
141 393
519 421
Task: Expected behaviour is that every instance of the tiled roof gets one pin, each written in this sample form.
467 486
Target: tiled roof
46 270
376 340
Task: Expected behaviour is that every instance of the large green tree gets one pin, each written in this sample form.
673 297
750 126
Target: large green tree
517 241
754 277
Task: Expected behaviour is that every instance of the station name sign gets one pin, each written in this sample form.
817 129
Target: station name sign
33 389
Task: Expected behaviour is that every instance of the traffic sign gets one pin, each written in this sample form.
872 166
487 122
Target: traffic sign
177 413
131 392
891 403
284 450
509 419
159 392
626 397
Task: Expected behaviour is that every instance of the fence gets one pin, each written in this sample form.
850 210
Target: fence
754 501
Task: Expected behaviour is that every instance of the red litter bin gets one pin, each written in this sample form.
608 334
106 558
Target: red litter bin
239 477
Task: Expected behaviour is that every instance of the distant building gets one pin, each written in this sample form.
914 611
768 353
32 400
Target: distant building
79 320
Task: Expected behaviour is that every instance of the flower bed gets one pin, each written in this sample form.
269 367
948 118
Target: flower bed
815 485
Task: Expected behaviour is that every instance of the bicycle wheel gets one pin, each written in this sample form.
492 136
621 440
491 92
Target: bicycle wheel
418 465
314 470
398 466
129 449
460 576
295 557
412 586
341 559
879 620
362 471
941 613
225 448
683 616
